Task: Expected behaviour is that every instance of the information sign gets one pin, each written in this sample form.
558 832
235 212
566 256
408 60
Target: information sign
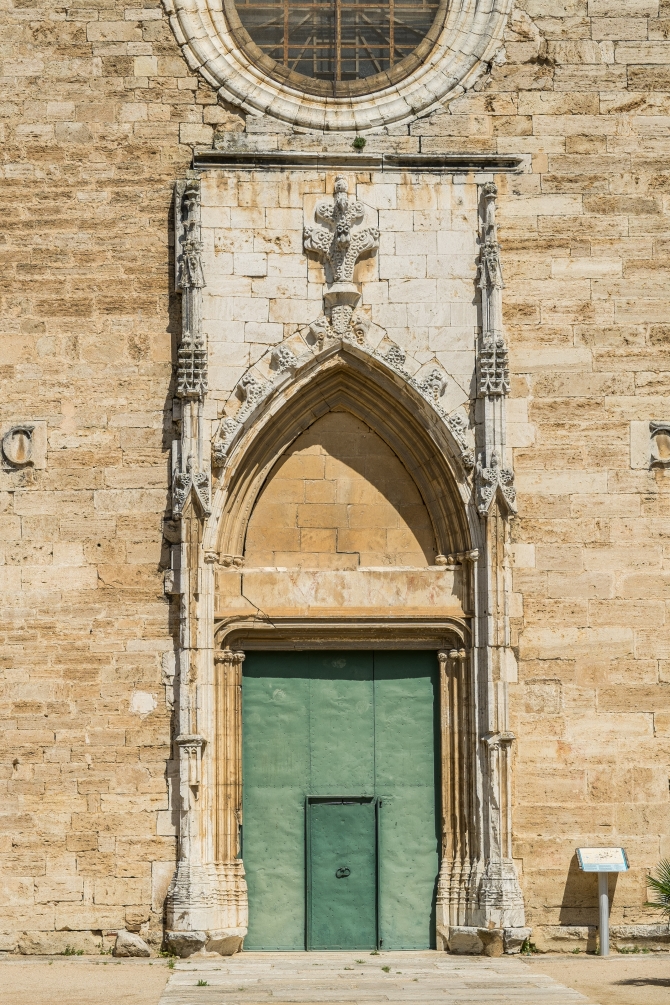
602 859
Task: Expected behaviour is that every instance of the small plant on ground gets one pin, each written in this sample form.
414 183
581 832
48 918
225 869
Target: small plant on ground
577 950
171 962
202 984
660 884
359 961
375 952
386 969
71 951
529 948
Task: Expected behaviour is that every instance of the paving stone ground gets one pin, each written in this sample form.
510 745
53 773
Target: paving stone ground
308 978
304 978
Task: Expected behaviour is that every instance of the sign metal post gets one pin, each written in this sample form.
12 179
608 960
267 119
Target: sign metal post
603 861
604 913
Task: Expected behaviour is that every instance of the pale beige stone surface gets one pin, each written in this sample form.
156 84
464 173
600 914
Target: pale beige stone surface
338 499
98 115
617 980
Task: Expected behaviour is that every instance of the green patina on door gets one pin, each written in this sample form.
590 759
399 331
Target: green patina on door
340 724
341 873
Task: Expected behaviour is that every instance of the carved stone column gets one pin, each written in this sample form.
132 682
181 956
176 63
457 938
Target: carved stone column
458 768
198 903
228 804
499 900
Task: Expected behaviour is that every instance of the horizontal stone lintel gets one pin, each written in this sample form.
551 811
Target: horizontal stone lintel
422 163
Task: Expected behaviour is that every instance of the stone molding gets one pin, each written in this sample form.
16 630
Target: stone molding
659 440
470 39
299 357
424 163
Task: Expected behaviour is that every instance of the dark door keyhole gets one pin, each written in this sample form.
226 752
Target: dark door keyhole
343 872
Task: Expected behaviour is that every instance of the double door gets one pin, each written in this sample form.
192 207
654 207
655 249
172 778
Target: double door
340 824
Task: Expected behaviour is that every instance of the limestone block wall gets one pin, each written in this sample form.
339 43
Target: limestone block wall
98 116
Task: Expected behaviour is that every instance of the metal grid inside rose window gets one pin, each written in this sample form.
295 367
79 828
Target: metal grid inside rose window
337 39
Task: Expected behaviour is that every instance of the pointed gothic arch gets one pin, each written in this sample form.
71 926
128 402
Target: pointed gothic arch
347 377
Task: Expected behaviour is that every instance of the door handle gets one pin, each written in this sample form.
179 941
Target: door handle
343 872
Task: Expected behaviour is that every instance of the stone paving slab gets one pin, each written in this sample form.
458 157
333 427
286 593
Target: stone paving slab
337 978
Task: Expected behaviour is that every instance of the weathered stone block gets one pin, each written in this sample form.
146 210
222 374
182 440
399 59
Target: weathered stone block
464 941
514 938
130 944
491 940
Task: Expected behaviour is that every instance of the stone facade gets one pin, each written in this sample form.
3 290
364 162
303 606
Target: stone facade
100 117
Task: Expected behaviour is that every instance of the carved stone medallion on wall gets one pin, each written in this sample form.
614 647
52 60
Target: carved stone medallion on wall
348 74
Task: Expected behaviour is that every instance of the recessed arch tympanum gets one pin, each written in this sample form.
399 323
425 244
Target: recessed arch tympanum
344 382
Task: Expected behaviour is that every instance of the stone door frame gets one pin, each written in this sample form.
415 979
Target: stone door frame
471 498
450 639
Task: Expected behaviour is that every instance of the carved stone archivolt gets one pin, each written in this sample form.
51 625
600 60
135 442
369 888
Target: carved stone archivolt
318 343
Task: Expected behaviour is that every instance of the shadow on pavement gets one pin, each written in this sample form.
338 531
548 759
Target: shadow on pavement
639 982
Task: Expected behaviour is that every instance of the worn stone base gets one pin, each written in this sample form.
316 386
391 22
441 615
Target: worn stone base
224 943
568 938
465 940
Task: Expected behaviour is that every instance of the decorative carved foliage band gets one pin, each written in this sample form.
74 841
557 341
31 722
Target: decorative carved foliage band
469 40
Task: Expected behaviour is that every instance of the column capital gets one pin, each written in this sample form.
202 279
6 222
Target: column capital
228 656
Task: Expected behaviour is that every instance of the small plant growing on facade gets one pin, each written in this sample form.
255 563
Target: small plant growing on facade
359 143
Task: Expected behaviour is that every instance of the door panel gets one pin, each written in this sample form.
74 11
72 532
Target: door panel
335 724
341 723
342 883
275 773
406 724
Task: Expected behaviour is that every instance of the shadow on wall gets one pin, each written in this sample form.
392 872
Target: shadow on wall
580 898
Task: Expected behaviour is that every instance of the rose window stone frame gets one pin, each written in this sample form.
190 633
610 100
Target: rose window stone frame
468 41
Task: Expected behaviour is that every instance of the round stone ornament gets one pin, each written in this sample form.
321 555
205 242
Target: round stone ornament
17 446
339 64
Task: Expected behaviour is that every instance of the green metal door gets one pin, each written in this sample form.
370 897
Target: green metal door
340 724
341 874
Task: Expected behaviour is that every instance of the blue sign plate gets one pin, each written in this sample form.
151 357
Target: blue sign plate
602 859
